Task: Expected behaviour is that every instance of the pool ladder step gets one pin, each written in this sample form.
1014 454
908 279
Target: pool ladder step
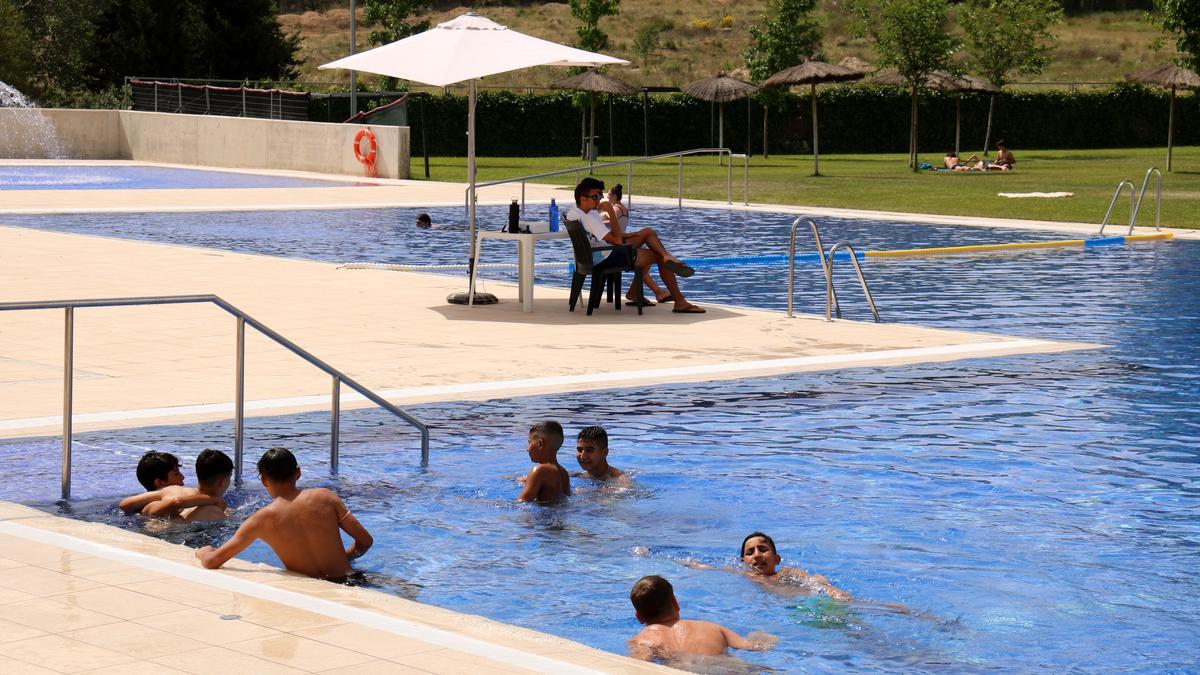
1135 205
832 306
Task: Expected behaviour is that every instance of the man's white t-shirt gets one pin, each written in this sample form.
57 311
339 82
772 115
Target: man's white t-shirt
596 230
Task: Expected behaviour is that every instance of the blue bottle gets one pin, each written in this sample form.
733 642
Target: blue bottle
553 215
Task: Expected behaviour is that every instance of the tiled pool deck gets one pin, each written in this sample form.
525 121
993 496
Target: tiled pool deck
78 597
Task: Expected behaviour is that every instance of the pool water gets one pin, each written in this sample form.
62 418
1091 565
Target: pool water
1032 513
114 177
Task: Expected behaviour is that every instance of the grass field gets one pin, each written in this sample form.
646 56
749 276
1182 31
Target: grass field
882 182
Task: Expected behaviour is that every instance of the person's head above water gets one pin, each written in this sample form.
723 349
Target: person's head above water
423 220
591 450
758 552
545 438
156 470
590 190
278 465
214 469
653 600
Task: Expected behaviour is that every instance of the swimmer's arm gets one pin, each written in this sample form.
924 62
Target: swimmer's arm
701 566
538 477
757 641
212 558
350 525
830 590
164 507
136 503
642 650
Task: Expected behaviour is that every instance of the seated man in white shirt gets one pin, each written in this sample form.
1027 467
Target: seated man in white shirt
588 194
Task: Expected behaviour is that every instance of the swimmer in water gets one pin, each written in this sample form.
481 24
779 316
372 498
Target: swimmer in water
548 481
591 451
675 641
423 220
167 497
761 560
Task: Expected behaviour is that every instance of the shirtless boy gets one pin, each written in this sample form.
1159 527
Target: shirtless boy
301 526
591 451
670 639
548 480
165 495
761 560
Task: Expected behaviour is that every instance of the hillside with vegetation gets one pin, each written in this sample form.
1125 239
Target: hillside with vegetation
698 38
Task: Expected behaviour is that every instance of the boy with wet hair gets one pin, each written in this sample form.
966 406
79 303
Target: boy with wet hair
672 640
591 451
165 496
761 561
214 472
301 526
548 481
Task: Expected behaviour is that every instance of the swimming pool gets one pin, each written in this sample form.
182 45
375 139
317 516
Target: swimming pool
115 177
1035 512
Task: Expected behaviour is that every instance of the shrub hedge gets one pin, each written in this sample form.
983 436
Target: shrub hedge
859 119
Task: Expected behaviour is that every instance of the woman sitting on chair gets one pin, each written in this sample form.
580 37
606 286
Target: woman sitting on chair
621 229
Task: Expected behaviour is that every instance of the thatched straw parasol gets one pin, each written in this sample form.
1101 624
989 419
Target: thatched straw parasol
942 81
1169 76
813 73
855 63
720 90
595 82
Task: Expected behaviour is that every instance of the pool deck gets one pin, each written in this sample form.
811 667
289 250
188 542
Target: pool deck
80 597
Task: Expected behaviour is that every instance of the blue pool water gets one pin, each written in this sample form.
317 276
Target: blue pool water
114 177
1035 513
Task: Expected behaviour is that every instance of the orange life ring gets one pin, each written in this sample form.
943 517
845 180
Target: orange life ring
369 158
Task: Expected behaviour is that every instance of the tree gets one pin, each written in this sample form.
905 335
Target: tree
912 37
17 55
391 17
1182 17
1007 36
647 41
589 12
63 33
788 35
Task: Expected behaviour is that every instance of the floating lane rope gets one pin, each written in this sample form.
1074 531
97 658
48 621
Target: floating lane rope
812 257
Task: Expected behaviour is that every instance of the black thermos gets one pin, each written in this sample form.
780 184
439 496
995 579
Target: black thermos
514 217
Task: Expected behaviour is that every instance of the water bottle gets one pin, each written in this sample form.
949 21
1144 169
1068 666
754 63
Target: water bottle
514 217
553 215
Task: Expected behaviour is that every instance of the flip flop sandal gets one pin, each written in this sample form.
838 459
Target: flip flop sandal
690 309
681 268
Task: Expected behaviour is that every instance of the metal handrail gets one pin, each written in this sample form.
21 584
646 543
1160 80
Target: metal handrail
339 378
629 175
1157 200
1113 203
861 279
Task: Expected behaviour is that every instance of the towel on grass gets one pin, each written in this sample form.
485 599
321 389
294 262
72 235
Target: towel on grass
1026 195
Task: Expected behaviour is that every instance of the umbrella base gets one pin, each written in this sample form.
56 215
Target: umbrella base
463 298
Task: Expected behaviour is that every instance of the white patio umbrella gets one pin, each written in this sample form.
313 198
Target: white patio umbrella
465 49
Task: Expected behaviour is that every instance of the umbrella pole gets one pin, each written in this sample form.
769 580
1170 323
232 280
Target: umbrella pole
987 136
1170 127
645 123
721 132
957 123
592 133
471 297
816 151
912 132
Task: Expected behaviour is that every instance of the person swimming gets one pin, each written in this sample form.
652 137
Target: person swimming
761 560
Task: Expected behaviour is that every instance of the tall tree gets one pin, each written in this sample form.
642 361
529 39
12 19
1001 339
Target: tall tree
589 13
17 55
911 36
786 35
1008 36
1182 17
63 34
391 19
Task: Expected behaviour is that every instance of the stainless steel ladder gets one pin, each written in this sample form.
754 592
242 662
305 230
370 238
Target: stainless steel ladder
243 319
1135 205
831 302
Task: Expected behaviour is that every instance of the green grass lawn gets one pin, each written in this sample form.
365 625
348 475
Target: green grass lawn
883 182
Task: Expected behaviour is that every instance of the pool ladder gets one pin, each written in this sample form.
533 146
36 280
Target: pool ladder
831 301
243 319
1135 205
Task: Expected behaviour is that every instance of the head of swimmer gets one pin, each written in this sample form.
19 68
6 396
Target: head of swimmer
591 451
278 471
423 220
156 470
214 471
654 600
758 554
545 438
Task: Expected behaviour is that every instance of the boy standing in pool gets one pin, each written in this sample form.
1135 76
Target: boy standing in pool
591 451
670 639
165 495
548 481
301 526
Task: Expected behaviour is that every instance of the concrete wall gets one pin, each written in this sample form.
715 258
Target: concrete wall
209 140
37 133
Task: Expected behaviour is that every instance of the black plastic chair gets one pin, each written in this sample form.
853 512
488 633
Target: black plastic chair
608 277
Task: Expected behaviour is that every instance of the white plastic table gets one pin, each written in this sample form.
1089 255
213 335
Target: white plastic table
525 243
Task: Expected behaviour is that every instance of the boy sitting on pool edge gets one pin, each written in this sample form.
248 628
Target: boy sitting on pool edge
591 451
672 640
548 481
